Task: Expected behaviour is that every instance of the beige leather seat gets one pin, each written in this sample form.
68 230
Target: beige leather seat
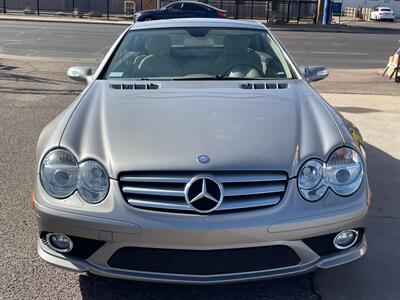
236 52
158 63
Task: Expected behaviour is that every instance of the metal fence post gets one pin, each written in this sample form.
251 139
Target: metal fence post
37 7
298 13
4 7
73 5
108 9
237 9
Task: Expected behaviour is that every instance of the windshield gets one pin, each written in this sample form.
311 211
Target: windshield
198 53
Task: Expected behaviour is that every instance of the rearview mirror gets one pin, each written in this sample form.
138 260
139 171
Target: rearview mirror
315 73
80 74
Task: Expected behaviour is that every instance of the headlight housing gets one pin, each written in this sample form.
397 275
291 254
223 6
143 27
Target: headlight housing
59 173
342 173
61 176
93 181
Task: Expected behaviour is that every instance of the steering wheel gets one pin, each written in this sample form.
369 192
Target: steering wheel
243 70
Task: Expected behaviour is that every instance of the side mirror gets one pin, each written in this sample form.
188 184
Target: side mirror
80 74
315 73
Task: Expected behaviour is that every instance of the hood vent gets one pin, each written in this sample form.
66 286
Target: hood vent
264 86
136 86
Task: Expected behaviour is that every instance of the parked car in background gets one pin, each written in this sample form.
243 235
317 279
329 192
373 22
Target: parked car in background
200 153
382 13
181 9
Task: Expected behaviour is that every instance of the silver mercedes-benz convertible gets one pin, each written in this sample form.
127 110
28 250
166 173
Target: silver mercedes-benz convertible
199 153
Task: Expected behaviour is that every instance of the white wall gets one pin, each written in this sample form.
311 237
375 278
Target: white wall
395 5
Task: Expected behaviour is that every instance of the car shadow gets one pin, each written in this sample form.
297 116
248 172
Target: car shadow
384 178
95 287
356 110
364 278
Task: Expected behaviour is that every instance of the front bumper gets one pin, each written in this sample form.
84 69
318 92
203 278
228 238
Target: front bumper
88 266
118 226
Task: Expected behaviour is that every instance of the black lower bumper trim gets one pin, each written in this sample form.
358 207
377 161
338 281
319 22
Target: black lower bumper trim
323 244
203 262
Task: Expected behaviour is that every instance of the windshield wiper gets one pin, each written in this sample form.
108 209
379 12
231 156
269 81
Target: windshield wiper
216 77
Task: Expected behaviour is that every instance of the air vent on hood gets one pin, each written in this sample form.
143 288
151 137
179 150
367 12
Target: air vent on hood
264 86
135 86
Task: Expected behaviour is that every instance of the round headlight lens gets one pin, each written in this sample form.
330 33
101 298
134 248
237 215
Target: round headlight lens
59 173
311 180
93 181
344 171
310 174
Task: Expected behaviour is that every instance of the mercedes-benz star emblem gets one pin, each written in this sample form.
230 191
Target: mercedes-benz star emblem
204 194
203 159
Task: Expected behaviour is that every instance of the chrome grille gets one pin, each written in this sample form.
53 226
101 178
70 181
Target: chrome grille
165 191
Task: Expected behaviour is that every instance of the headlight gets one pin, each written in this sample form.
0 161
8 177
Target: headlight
93 181
343 173
311 180
59 173
61 176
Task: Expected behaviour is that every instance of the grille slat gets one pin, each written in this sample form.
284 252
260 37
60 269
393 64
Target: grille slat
154 191
158 204
151 179
165 191
253 190
246 203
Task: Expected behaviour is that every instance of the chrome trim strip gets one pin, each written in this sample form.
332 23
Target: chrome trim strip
153 191
155 179
253 190
243 204
157 204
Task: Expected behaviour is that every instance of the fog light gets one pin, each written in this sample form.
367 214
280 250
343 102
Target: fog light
345 239
59 242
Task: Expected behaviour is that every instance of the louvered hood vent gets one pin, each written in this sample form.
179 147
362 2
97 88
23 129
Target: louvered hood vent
264 86
134 86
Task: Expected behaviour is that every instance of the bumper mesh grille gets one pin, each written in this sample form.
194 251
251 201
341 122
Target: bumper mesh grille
165 191
203 262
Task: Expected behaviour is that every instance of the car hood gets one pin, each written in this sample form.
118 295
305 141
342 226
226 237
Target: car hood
168 128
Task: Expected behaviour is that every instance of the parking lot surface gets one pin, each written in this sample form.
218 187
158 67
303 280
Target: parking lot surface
34 90
344 50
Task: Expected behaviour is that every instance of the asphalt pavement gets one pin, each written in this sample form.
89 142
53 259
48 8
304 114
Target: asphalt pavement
356 49
34 90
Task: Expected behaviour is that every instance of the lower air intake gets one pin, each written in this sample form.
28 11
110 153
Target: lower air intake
203 262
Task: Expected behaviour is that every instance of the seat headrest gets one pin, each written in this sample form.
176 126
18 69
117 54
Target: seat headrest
236 44
158 44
